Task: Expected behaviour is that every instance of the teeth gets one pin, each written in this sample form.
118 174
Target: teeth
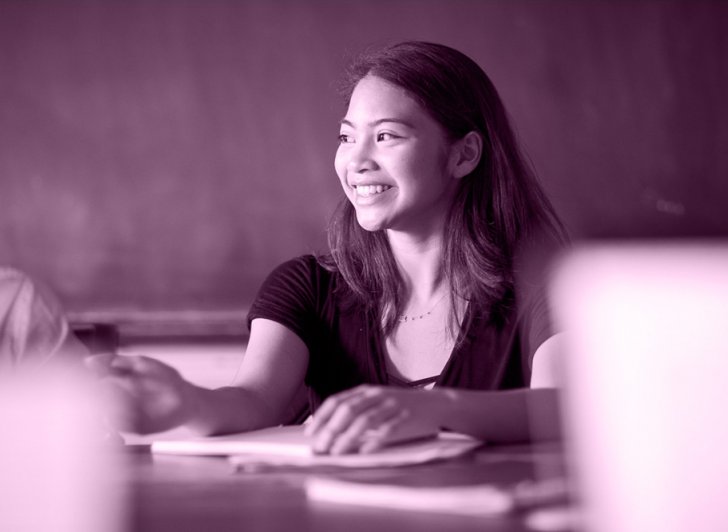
369 190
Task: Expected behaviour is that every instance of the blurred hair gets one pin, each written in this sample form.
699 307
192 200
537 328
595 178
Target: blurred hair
498 207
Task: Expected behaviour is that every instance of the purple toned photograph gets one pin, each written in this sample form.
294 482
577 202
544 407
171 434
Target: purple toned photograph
321 265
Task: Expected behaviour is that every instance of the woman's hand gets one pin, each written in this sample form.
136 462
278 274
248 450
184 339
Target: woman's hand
365 418
146 395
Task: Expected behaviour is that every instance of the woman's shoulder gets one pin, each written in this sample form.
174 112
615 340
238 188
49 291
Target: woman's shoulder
296 290
308 265
304 274
19 289
12 286
12 278
33 325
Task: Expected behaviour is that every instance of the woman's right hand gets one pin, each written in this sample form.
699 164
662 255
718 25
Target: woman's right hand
146 395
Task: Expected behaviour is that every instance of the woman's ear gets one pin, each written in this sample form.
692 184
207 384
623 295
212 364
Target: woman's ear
466 154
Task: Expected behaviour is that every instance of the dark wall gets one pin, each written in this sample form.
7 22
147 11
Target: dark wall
166 155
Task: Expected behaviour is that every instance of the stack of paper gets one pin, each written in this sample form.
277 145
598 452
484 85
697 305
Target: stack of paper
289 446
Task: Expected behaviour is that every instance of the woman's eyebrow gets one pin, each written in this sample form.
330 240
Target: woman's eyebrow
379 121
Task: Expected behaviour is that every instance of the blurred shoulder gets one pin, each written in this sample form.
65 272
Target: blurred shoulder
10 277
16 287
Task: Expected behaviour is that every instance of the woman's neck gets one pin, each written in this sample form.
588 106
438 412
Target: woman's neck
420 263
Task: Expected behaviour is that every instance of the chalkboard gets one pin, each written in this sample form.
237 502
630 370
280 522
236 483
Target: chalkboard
164 156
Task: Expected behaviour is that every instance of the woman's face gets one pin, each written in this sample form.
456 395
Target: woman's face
393 160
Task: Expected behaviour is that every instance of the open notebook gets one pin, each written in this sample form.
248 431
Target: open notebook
289 446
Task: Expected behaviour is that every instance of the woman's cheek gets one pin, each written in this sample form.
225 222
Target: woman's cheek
340 163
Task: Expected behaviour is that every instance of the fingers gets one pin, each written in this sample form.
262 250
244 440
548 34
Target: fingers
113 365
328 408
368 431
110 364
123 409
143 394
356 419
374 440
100 364
115 390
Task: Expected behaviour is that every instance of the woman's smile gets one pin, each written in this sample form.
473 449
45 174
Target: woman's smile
369 195
370 190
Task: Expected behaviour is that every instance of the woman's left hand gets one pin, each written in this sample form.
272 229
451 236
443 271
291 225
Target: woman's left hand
367 417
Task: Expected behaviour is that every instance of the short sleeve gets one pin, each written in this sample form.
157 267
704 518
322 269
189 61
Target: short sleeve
288 296
533 271
536 327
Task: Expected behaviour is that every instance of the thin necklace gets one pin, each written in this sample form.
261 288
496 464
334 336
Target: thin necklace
405 318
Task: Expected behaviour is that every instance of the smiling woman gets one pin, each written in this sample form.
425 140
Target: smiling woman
425 313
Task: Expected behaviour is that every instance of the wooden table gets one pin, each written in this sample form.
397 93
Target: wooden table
184 493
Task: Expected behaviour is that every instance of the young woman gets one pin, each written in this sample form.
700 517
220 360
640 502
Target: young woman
428 311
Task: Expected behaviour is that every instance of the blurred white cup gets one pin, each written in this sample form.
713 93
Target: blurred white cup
58 472
646 383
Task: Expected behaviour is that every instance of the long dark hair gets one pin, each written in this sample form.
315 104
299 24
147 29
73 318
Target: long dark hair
497 207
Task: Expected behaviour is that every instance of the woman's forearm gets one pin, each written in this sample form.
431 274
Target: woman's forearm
227 410
502 416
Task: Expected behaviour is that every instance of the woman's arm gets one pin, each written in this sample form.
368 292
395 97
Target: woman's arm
507 416
271 373
546 363
153 397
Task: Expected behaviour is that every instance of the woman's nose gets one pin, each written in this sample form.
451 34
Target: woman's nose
361 158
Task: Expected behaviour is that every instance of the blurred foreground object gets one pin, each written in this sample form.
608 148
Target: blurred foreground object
58 470
646 378
33 328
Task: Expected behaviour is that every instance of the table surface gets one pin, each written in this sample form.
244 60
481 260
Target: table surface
188 493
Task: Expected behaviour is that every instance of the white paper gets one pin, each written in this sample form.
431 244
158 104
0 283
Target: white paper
463 500
289 446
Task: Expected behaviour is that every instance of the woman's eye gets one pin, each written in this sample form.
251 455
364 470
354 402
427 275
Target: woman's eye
385 136
345 139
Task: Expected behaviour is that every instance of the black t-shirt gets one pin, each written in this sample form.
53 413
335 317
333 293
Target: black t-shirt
346 345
